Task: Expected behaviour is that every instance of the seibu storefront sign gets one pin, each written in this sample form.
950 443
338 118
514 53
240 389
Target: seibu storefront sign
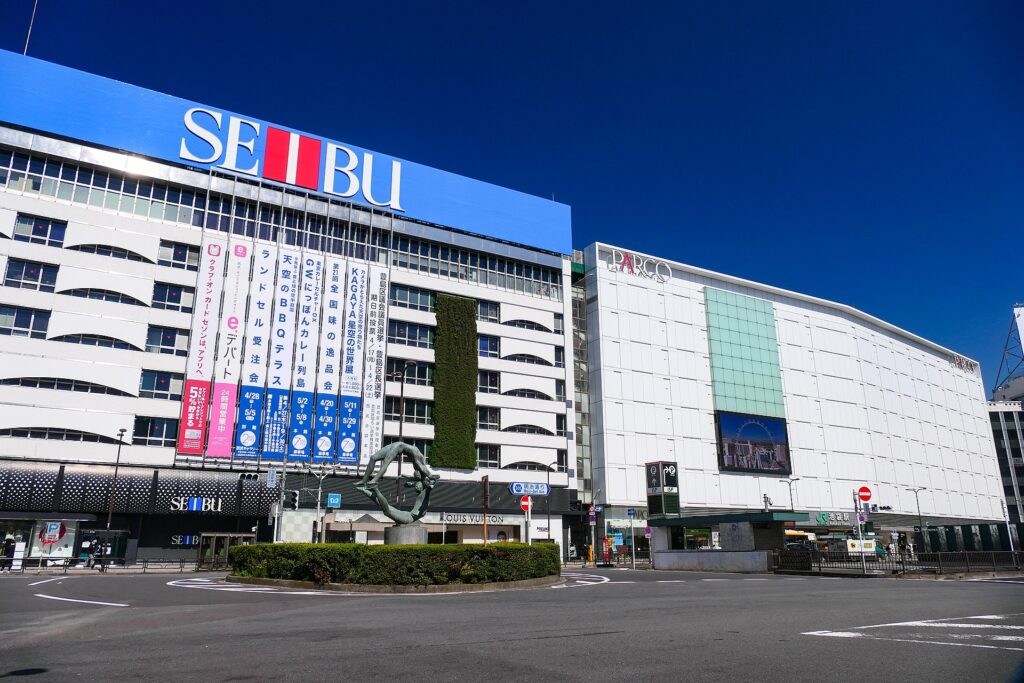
639 266
195 504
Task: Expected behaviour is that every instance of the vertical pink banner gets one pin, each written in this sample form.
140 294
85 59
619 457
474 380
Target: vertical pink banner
222 420
228 359
202 338
192 426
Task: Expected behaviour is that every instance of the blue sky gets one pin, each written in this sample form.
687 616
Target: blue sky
871 153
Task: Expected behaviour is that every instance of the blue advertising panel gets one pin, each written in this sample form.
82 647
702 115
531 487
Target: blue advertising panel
325 444
279 374
70 103
249 432
752 443
353 338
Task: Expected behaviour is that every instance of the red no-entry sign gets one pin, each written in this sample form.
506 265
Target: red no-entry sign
864 493
526 503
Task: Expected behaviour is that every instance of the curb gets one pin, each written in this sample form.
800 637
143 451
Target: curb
542 582
838 575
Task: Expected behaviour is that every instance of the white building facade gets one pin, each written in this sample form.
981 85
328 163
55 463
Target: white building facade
767 399
234 296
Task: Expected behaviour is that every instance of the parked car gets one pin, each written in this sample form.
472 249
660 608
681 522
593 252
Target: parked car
805 547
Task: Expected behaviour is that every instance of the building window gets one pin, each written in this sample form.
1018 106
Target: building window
527 429
526 325
560 425
173 297
159 384
422 373
95 340
559 389
528 358
113 252
39 230
62 385
412 297
488 417
55 434
527 393
488 311
17 321
167 340
410 334
103 295
559 323
155 431
488 382
177 255
490 347
30 275
417 410
488 455
559 356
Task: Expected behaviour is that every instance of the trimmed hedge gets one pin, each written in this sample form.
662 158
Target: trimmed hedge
395 565
455 382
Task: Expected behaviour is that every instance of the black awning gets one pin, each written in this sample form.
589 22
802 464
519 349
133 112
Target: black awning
729 517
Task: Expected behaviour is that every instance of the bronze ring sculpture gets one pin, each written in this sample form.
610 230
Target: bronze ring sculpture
424 479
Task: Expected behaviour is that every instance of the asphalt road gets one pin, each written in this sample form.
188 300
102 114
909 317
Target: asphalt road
602 625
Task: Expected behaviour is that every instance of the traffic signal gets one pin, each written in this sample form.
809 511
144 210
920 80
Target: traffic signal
291 500
484 482
249 476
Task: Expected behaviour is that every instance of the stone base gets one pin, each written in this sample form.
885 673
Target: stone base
405 534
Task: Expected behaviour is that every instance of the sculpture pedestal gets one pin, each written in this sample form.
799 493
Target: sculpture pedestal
405 534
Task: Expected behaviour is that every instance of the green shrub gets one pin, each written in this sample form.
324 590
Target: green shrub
455 383
397 565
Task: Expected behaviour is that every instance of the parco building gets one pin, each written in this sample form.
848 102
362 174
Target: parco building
769 402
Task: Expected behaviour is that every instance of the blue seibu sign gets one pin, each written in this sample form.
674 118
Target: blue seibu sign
524 488
50 98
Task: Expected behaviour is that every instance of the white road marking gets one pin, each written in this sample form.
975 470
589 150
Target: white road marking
714 579
755 579
59 578
915 623
834 634
88 602
954 625
622 582
671 580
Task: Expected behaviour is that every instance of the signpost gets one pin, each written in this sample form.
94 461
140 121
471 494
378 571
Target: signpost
864 493
592 514
526 503
861 495
632 539
334 500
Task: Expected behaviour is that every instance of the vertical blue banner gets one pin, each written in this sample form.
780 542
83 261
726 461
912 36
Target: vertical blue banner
275 424
250 412
249 433
353 339
279 374
324 428
301 425
325 443
348 430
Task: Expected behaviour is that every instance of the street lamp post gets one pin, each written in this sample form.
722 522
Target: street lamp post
789 483
113 484
547 501
400 376
917 497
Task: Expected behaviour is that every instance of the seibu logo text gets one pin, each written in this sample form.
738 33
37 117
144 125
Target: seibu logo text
195 504
641 266
255 149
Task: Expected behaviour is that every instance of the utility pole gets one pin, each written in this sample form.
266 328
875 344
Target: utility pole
280 504
117 464
320 476
400 376
860 537
485 482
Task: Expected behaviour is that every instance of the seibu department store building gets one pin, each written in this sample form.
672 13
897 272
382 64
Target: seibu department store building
234 296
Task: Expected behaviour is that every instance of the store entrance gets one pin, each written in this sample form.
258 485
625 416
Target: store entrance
213 549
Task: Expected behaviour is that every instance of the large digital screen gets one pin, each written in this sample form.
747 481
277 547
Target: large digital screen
752 443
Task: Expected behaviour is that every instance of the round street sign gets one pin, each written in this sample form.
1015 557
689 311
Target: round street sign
864 493
526 503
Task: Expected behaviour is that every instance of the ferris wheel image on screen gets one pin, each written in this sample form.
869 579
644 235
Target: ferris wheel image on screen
752 443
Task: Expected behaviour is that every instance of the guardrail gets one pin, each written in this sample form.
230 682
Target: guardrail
44 565
817 561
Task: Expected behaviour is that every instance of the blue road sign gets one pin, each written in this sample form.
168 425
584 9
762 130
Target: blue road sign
524 488
599 508
334 500
631 512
